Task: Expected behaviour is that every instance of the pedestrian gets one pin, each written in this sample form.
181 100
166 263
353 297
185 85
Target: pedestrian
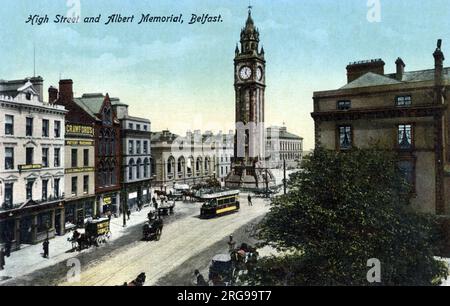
231 244
155 203
128 213
109 214
249 198
8 245
200 279
2 259
45 247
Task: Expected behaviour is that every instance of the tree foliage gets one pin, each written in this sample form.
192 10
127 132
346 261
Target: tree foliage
341 210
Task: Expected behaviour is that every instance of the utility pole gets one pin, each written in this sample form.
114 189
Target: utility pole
284 175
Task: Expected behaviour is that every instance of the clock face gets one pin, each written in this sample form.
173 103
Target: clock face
245 73
259 74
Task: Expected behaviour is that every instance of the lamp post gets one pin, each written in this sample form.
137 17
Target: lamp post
284 175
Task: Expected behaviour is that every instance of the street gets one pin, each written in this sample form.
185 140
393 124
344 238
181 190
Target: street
187 243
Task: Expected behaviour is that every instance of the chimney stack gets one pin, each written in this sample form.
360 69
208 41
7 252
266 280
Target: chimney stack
52 94
358 69
66 91
400 69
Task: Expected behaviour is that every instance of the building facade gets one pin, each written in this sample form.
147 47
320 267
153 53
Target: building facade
183 160
282 146
79 157
224 153
406 112
32 167
108 158
136 156
248 163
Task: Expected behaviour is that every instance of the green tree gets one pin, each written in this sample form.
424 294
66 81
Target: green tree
341 210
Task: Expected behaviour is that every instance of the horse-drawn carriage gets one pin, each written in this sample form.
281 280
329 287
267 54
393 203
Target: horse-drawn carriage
152 229
166 207
96 232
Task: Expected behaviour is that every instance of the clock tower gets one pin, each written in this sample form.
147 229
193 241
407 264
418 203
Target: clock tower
248 166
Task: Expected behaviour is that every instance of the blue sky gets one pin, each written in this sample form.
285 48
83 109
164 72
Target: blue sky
181 76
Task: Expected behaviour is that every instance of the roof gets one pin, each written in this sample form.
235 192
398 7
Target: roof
91 103
282 134
373 79
163 136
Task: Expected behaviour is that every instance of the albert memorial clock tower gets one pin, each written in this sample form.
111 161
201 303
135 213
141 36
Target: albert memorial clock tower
248 166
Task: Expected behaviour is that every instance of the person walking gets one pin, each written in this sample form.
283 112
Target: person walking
8 245
200 279
249 198
128 213
2 259
231 244
45 246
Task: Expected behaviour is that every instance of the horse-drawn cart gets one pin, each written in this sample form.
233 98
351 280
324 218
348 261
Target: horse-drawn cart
152 229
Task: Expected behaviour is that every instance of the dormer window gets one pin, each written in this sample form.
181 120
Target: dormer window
403 101
344 105
28 96
107 116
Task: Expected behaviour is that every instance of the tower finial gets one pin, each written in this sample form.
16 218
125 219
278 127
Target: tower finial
250 7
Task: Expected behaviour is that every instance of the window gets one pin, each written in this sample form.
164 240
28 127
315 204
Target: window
57 160
407 168
138 147
9 125
29 156
145 147
86 157
9 158
8 196
29 127
138 127
145 127
130 126
45 127
138 169
146 168
403 101
44 190
74 158
86 184
74 185
345 137
45 157
404 138
130 169
130 147
344 105
57 129
29 191
56 188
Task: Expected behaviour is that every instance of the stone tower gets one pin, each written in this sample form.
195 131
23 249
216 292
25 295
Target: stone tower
248 169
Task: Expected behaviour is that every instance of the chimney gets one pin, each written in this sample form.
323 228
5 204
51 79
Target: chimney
66 91
52 94
400 69
438 64
357 69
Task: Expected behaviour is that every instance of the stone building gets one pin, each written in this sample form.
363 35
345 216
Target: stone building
32 163
283 146
136 156
108 159
188 160
404 111
248 163
79 157
224 153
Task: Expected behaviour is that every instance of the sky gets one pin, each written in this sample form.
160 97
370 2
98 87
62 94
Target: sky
180 76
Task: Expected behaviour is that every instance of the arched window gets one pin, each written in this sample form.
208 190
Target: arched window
130 169
198 165
113 173
206 164
138 168
190 165
180 164
146 167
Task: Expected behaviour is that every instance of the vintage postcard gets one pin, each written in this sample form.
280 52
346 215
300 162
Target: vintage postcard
224 143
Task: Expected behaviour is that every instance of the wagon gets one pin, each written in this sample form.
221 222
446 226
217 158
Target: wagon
97 231
152 229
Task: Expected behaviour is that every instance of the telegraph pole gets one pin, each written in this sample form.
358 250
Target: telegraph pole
284 175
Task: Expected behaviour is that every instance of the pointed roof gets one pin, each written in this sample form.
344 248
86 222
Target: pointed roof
370 79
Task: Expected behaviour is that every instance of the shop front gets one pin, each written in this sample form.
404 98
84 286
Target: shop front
30 224
108 203
77 211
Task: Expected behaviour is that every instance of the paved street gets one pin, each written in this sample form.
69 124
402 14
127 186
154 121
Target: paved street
187 243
